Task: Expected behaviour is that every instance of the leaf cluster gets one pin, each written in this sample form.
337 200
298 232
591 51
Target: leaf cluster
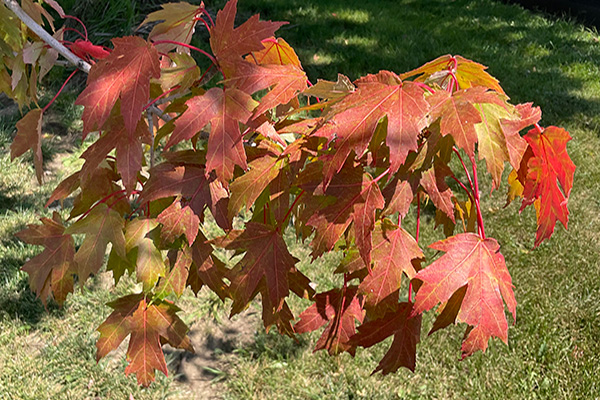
338 163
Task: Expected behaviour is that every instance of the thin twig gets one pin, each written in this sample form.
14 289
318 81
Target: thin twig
46 37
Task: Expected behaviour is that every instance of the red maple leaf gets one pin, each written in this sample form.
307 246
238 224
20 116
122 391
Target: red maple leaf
355 197
50 272
176 221
229 43
267 257
170 179
353 120
124 74
476 263
148 322
129 152
440 194
284 81
468 73
407 333
458 114
29 136
224 109
394 250
548 165
339 309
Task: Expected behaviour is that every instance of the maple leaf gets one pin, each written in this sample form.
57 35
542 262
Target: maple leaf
399 195
458 114
124 74
468 73
394 250
227 42
498 135
176 221
207 269
284 81
148 322
183 72
29 136
355 118
407 333
331 90
440 194
476 263
175 281
339 309
188 181
50 272
515 144
223 109
128 147
548 165
100 183
101 226
267 257
176 23
276 51
246 189
356 198
37 12
148 260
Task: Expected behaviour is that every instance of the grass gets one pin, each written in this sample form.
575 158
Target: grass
554 348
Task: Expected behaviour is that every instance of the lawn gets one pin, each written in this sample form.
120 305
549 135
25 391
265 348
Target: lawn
554 348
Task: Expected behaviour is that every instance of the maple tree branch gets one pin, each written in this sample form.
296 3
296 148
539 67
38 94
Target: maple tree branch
46 37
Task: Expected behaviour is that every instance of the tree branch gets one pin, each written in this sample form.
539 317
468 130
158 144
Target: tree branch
46 37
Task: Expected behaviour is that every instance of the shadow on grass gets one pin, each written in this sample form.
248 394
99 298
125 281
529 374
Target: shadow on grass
534 59
22 304
275 346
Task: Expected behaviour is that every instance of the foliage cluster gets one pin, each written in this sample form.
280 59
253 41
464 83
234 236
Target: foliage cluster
337 163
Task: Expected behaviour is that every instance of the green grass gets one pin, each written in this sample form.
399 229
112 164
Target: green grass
553 350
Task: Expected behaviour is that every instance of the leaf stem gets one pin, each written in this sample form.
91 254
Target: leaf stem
161 96
189 46
424 86
103 200
291 208
209 17
455 150
59 91
462 185
81 23
474 188
384 173
476 194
